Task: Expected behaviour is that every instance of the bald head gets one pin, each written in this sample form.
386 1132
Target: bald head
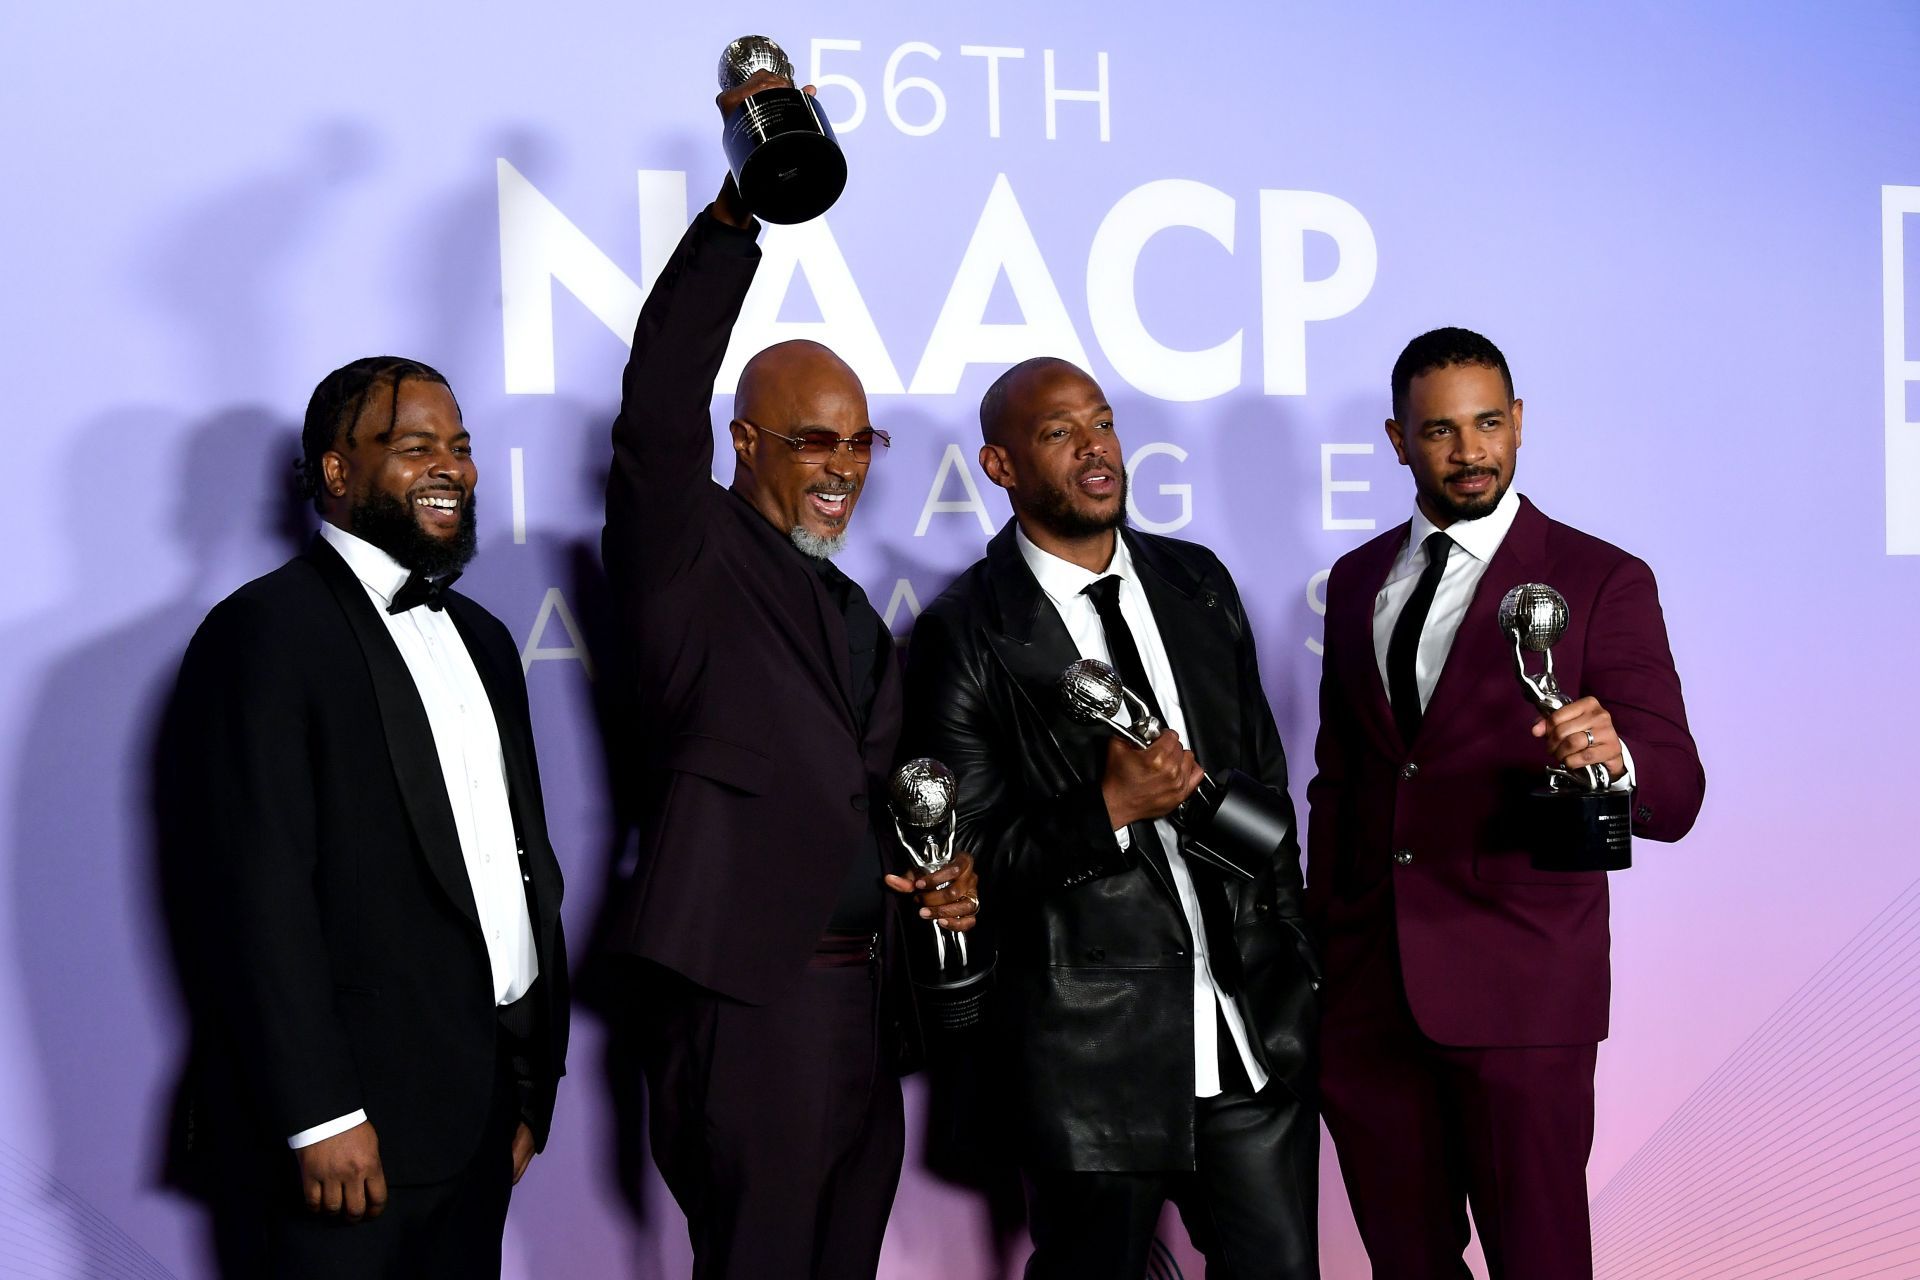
1005 405
789 381
790 390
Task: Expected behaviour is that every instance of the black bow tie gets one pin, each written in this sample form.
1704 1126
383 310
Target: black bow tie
431 592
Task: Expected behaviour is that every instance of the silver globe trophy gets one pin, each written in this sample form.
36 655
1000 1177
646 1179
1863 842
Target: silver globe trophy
1583 826
784 157
920 795
1233 821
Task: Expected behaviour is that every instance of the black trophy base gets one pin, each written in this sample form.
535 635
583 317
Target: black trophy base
1234 823
1583 830
955 998
783 155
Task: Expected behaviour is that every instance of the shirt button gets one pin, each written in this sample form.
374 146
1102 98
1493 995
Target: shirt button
859 802
1410 770
1403 856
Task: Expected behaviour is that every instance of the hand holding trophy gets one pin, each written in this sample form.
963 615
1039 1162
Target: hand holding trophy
1233 822
920 796
782 151
1585 826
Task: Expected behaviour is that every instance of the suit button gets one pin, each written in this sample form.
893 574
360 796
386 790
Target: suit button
1645 814
1410 770
1179 953
1096 953
1403 856
859 802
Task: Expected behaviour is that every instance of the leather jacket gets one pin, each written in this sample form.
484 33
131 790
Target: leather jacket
1093 1013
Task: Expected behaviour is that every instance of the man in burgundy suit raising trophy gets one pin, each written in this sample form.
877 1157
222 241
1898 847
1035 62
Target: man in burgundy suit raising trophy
1467 976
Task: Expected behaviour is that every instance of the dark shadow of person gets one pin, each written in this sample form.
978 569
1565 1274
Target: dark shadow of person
207 1148
88 895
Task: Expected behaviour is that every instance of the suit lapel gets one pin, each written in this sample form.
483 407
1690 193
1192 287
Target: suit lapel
409 736
516 752
1478 647
1353 633
1033 646
1199 648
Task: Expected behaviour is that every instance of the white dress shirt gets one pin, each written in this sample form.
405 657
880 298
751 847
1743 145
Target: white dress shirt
467 739
1474 545
1063 582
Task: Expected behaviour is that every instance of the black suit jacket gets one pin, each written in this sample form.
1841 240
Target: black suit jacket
1096 971
334 943
756 782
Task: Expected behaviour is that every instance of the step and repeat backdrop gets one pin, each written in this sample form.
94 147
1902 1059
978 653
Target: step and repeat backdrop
1694 228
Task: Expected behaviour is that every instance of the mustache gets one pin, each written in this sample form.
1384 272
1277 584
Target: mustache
1096 468
1470 473
831 486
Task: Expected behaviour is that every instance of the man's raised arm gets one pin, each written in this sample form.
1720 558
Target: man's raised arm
660 485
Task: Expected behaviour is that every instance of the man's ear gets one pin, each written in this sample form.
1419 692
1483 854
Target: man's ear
333 474
999 468
744 438
1518 405
1398 439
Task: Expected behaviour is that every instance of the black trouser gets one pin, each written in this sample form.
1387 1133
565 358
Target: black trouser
778 1128
447 1230
1250 1203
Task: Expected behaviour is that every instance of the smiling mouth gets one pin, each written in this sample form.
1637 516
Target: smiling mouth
830 504
440 509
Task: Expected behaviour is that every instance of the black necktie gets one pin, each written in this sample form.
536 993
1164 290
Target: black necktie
417 591
1216 916
1402 685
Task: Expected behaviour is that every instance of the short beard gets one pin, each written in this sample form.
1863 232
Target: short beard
1460 511
389 524
1054 511
814 546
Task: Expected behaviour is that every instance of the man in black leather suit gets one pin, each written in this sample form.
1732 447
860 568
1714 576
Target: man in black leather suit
1155 1018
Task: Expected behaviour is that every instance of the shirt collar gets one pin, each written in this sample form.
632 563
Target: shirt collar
1062 580
1478 538
378 572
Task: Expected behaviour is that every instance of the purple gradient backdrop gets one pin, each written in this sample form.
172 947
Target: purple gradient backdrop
1668 215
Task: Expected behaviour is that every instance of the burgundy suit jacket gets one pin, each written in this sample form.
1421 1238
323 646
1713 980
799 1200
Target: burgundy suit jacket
1493 952
758 780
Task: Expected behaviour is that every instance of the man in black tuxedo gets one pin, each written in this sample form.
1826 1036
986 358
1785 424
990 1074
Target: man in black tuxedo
770 987
373 932
1156 1015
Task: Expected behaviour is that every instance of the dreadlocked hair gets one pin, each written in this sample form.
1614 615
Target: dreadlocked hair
333 414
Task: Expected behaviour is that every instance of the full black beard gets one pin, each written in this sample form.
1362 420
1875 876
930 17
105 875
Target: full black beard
1454 511
1053 510
389 524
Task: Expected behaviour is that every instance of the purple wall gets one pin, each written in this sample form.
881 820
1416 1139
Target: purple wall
1687 225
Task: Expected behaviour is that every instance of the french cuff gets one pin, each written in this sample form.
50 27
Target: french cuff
1625 781
1123 838
307 1137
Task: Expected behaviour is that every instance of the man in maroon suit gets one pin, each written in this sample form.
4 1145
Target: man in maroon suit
1466 992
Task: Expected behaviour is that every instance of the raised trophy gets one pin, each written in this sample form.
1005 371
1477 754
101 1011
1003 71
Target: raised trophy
1233 822
782 151
920 797
1583 826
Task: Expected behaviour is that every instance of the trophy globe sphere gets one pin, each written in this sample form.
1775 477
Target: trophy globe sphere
1536 613
740 59
921 792
1091 691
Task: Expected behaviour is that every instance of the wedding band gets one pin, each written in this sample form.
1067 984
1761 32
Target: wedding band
1589 737
974 898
